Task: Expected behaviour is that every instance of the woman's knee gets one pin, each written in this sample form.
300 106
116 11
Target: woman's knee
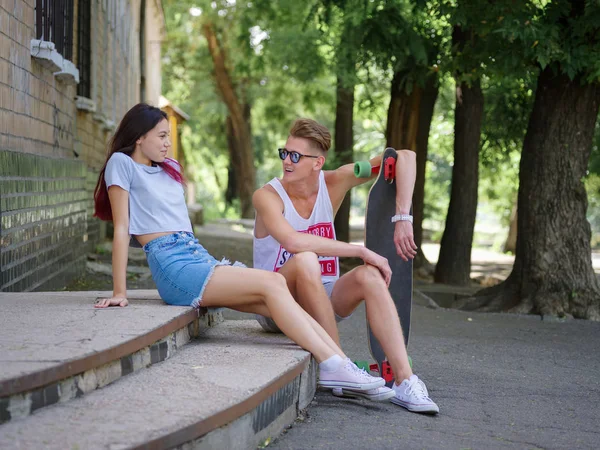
276 289
267 282
276 281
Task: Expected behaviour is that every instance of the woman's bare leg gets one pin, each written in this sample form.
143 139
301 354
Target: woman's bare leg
245 289
260 307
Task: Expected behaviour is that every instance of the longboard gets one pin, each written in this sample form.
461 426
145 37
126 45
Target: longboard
379 237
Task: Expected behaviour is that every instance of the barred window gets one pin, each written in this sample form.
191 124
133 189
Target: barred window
142 39
54 23
84 47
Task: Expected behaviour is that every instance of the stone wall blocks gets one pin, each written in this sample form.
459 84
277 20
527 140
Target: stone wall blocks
108 373
87 382
41 120
308 385
67 390
20 406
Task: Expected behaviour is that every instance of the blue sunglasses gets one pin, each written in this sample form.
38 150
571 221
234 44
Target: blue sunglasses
294 156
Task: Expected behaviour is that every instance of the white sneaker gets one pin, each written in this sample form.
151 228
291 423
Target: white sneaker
350 377
412 395
375 395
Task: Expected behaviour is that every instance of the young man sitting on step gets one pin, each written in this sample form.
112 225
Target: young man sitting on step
294 235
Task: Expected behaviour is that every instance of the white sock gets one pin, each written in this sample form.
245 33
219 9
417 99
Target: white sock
331 364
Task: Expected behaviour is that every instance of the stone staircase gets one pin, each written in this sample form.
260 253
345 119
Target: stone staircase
145 376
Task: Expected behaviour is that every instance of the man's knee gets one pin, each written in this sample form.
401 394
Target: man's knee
307 266
367 275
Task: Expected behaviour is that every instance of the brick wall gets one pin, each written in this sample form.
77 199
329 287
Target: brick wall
51 150
44 221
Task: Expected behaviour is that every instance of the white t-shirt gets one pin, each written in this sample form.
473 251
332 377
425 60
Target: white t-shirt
270 255
156 201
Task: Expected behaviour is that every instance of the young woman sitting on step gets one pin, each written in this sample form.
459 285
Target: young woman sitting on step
141 191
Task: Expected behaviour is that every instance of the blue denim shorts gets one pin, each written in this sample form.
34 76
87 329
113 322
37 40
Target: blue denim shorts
181 268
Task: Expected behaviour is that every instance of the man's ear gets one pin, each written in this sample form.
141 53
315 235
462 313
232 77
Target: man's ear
319 162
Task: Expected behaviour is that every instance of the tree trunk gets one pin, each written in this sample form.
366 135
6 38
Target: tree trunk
408 125
553 273
235 170
344 141
403 114
510 246
231 192
240 128
454 263
428 99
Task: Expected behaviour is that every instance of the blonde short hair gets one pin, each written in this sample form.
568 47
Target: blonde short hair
309 129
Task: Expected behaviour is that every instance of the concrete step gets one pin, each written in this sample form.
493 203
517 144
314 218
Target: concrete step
54 346
232 388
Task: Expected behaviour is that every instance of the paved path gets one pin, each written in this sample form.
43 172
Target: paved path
501 381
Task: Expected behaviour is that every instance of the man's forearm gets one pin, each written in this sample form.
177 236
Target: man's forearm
406 173
303 242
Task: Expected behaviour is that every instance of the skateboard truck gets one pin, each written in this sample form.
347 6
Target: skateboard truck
387 375
389 169
363 169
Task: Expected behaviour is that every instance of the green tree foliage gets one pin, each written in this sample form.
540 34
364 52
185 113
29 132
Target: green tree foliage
552 272
592 185
278 84
509 99
286 57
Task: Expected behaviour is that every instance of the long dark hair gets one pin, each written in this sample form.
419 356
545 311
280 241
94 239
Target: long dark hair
135 123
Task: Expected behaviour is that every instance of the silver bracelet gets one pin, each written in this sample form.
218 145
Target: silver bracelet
400 217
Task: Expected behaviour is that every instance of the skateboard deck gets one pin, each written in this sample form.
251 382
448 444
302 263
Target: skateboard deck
379 237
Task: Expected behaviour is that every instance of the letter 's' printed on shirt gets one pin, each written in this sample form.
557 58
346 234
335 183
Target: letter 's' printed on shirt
328 264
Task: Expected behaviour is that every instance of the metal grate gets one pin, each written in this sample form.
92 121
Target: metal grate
142 39
84 47
54 23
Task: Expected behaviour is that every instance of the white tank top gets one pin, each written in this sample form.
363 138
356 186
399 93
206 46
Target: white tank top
269 255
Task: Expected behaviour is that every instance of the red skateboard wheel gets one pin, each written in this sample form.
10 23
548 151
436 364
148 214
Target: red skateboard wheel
388 373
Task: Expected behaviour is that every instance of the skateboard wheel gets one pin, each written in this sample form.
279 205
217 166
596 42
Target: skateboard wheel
388 374
362 169
362 365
